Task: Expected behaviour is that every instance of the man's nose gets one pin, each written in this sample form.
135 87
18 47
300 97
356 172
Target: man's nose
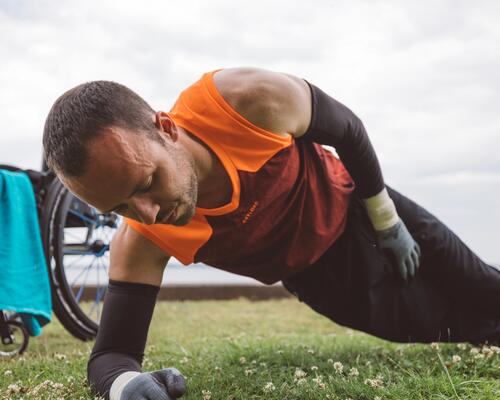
145 209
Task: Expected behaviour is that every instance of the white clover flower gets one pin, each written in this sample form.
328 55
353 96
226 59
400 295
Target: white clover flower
299 373
474 351
495 349
487 351
60 356
310 351
456 359
435 345
8 373
269 387
207 395
314 368
338 367
353 372
218 369
184 360
462 346
377 398
263 364
13 388
375 383
249 371
319 381
329 361
243 360
300 381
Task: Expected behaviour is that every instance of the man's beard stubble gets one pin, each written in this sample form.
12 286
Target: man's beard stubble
186 163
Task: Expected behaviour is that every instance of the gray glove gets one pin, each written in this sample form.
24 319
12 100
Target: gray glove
164 384
398 244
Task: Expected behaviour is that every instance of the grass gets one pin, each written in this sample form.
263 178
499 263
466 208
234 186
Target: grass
231 350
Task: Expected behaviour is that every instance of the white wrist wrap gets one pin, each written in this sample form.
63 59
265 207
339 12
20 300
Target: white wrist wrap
119 384
381 211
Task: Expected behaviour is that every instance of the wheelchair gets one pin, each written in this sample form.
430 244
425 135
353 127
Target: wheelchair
76 239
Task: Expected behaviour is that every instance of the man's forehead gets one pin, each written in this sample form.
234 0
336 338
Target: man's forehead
101 190
117 160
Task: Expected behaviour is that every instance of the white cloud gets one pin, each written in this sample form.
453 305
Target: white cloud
468 178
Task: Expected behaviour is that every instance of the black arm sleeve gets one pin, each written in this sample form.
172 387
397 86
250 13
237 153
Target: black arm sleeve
333 124
123 330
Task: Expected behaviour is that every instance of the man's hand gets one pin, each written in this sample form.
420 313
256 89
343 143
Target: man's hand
164 384
402 249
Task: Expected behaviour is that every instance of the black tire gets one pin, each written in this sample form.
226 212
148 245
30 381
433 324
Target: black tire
62 215
20 335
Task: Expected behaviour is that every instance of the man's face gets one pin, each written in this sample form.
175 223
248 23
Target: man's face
139 178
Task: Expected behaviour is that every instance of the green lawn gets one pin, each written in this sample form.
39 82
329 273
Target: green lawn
232 350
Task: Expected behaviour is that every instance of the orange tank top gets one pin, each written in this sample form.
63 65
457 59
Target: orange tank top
289 200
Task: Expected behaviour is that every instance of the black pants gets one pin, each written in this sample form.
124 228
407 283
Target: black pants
455 296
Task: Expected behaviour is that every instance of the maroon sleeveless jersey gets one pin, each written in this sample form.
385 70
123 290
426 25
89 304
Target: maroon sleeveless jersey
289 200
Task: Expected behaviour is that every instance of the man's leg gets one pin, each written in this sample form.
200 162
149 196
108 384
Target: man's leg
455 295
453 269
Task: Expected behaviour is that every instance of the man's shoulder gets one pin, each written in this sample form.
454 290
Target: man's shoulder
250 84
262 96
245 88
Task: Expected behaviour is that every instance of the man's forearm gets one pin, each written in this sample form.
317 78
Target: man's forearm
120 343
335 125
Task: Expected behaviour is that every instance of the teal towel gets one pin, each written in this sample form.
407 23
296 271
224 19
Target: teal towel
24 281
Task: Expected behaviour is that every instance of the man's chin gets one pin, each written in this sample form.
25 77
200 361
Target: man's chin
184 218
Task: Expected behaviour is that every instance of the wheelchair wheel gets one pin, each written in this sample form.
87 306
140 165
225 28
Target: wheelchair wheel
76 239
17 342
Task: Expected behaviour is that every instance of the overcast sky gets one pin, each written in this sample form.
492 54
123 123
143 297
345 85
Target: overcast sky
423 76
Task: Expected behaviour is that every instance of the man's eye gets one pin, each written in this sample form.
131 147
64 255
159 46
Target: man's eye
148 186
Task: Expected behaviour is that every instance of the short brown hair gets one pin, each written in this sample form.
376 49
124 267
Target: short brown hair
82 113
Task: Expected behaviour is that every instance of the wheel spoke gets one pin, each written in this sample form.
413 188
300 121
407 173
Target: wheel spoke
82 271
74 262
100 290
82 287
104 287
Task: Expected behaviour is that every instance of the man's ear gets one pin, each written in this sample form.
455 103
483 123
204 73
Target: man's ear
165 124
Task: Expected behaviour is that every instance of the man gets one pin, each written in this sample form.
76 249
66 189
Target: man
235 176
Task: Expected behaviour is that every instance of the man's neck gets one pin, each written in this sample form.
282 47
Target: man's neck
214 184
